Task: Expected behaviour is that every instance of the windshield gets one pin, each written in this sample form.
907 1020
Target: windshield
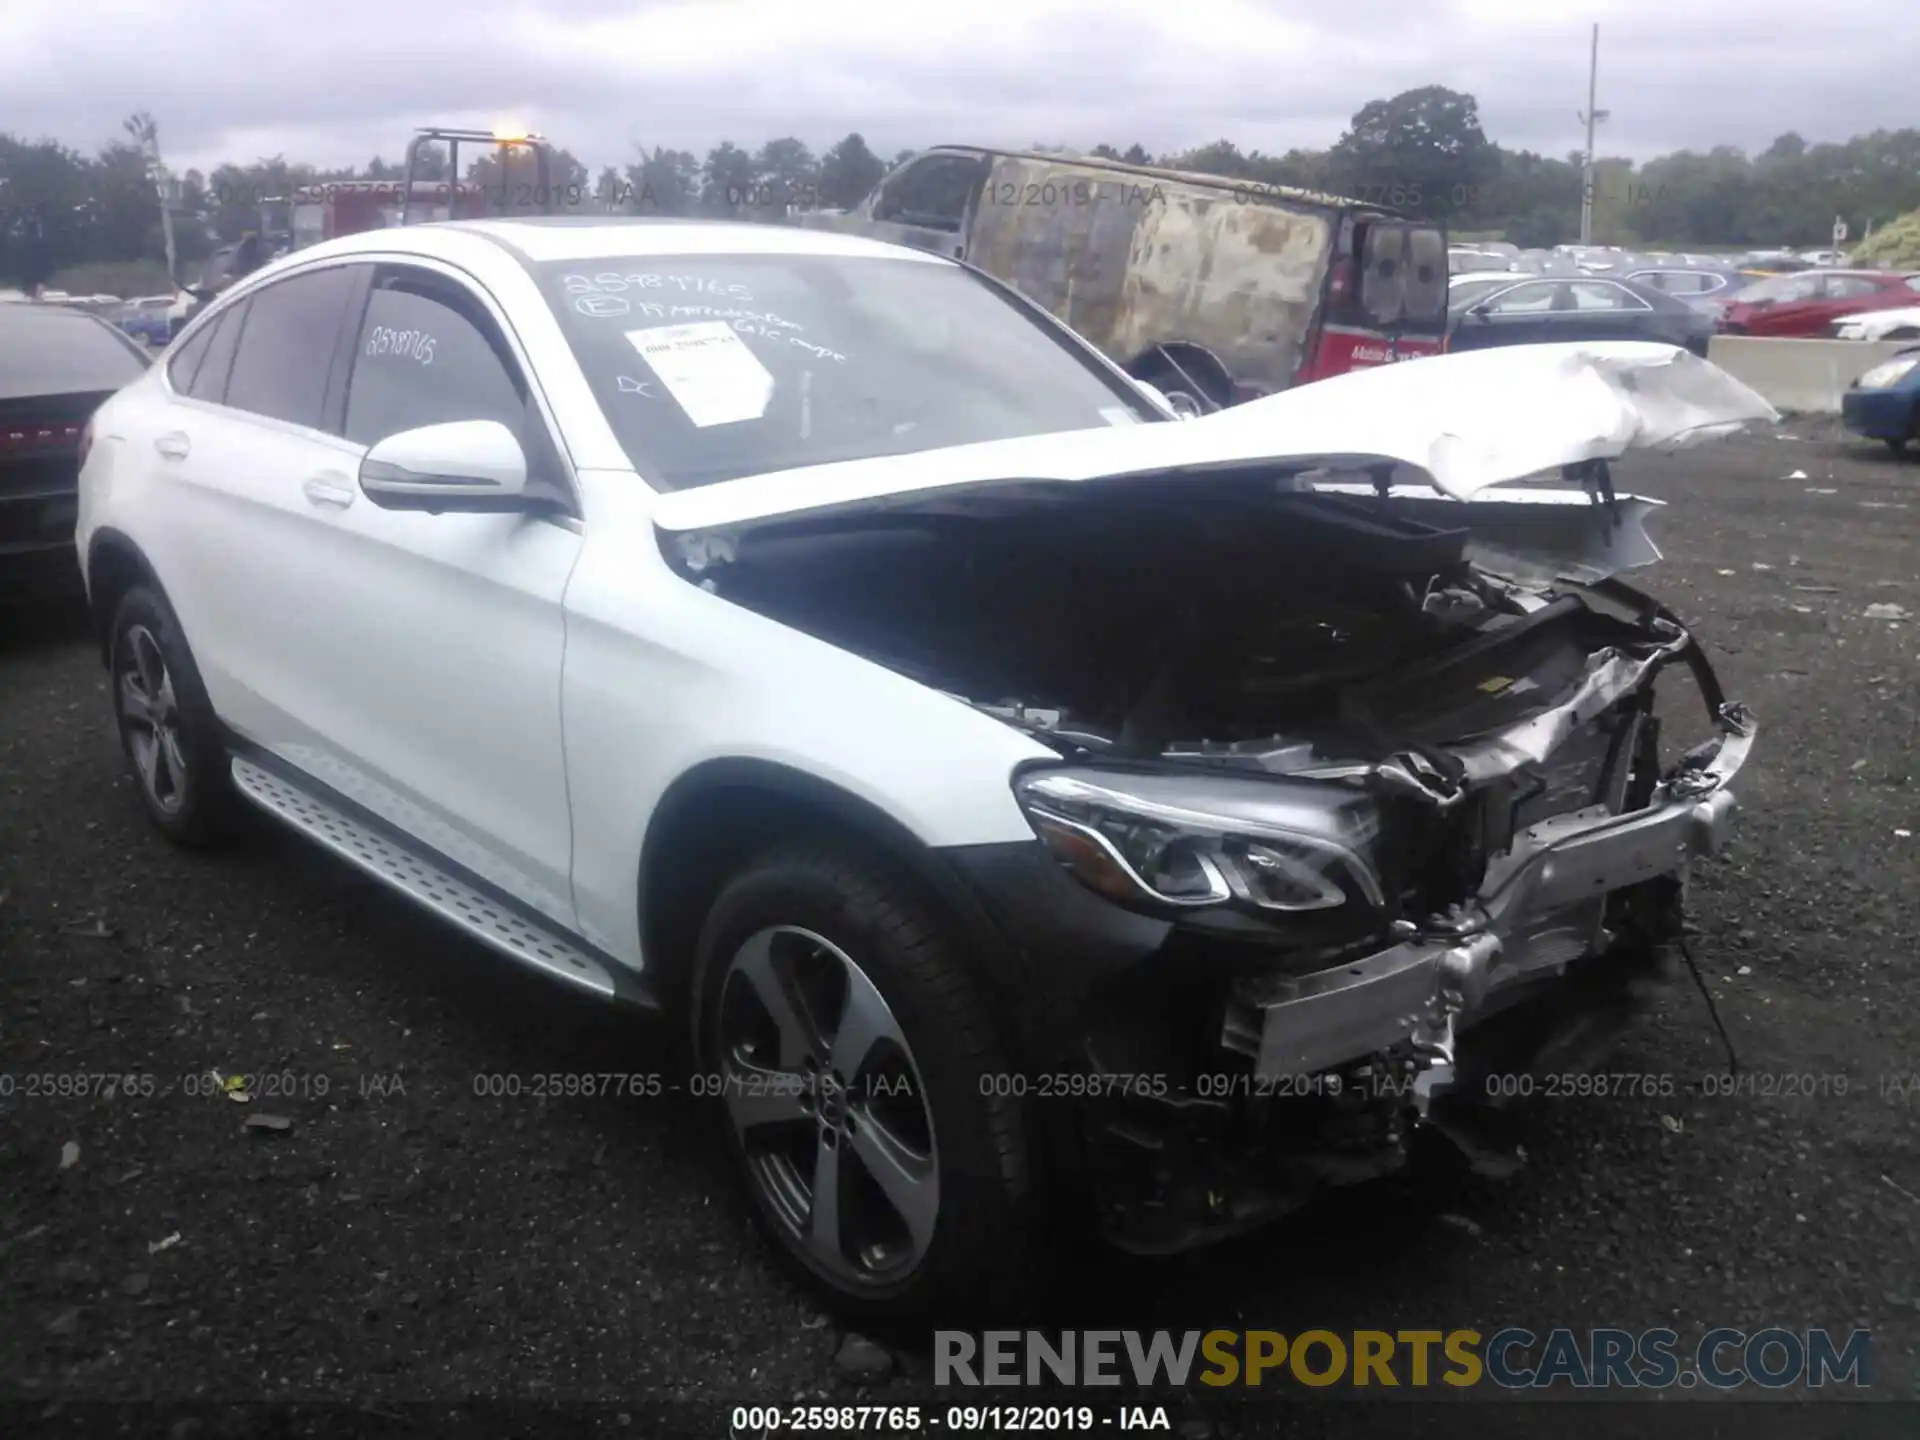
56 352
711 367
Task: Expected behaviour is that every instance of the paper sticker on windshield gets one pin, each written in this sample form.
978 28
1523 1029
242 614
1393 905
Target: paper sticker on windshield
708 370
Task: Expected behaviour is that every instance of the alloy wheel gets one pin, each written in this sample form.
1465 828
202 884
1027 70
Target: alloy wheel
827 1103
150 717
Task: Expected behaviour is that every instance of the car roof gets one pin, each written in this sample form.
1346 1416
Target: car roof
544 238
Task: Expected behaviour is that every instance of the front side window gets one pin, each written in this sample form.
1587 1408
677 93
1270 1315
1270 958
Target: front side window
424 359
286 345
710 367
51 352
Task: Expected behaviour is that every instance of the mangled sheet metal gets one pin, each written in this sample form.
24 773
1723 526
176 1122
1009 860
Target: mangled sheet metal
1482 417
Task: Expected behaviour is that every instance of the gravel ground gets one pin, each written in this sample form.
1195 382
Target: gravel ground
405 1239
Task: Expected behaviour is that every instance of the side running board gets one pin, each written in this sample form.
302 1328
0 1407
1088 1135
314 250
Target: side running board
427 882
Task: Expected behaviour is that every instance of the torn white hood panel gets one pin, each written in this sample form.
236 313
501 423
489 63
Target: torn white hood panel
1455 424
1483 417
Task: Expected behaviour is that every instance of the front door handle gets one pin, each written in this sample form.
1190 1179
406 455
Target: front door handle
172 445
328 490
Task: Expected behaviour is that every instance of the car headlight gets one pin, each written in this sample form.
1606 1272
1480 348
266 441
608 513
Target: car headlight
1889 372
1160 842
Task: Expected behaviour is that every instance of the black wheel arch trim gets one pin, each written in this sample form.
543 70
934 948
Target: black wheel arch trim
711 778
104 542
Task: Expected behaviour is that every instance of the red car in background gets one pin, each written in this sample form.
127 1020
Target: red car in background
1803 304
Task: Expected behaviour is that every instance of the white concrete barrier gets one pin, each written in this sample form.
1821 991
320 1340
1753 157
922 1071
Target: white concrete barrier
1801 376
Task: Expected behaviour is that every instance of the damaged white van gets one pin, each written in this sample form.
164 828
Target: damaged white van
1033 803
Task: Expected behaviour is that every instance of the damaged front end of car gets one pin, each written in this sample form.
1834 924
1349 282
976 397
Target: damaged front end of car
1358 794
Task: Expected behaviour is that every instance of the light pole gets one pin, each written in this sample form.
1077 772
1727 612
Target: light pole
1590 117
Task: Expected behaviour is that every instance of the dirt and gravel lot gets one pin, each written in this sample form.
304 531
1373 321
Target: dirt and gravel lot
406 1239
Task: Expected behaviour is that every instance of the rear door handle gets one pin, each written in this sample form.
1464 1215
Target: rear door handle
173 445
326 489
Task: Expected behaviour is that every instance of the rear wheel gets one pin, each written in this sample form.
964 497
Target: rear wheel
167 726
859 1075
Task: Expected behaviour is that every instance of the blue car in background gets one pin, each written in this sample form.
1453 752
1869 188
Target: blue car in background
1884 403
148 329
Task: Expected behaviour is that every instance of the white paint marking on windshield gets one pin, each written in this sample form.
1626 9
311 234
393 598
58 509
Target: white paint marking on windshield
602 307
630 386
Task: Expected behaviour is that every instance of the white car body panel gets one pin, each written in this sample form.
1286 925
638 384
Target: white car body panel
662 676
519 694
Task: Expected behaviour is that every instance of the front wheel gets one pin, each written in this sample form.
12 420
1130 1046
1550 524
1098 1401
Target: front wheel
858 1072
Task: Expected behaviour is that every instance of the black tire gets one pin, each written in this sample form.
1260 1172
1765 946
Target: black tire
983 1254
1897 444
201 808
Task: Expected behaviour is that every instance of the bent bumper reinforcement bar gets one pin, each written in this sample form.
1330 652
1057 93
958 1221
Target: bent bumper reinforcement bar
1415 990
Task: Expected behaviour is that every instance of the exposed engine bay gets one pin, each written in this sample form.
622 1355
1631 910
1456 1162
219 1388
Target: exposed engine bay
1280 629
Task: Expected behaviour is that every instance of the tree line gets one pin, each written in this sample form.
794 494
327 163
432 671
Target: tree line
1423 150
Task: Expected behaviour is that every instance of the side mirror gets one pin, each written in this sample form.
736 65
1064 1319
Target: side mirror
468 465
1482 310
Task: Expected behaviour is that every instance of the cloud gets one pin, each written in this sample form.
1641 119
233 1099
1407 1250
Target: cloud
339 83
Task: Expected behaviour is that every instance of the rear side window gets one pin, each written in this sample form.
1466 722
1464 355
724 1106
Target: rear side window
46 351
286 347
207 379
1593 295
423 359
1533 299
932 192
185 362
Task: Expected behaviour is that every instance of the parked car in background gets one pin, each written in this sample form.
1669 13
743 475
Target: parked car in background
1902 323
1299 285
1884 403
1804 305
1824 257
1548 309
57 365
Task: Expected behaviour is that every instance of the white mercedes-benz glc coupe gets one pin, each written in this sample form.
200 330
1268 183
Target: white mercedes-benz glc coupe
1034 802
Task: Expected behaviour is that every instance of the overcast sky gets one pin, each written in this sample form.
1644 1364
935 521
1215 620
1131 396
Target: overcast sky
338 81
